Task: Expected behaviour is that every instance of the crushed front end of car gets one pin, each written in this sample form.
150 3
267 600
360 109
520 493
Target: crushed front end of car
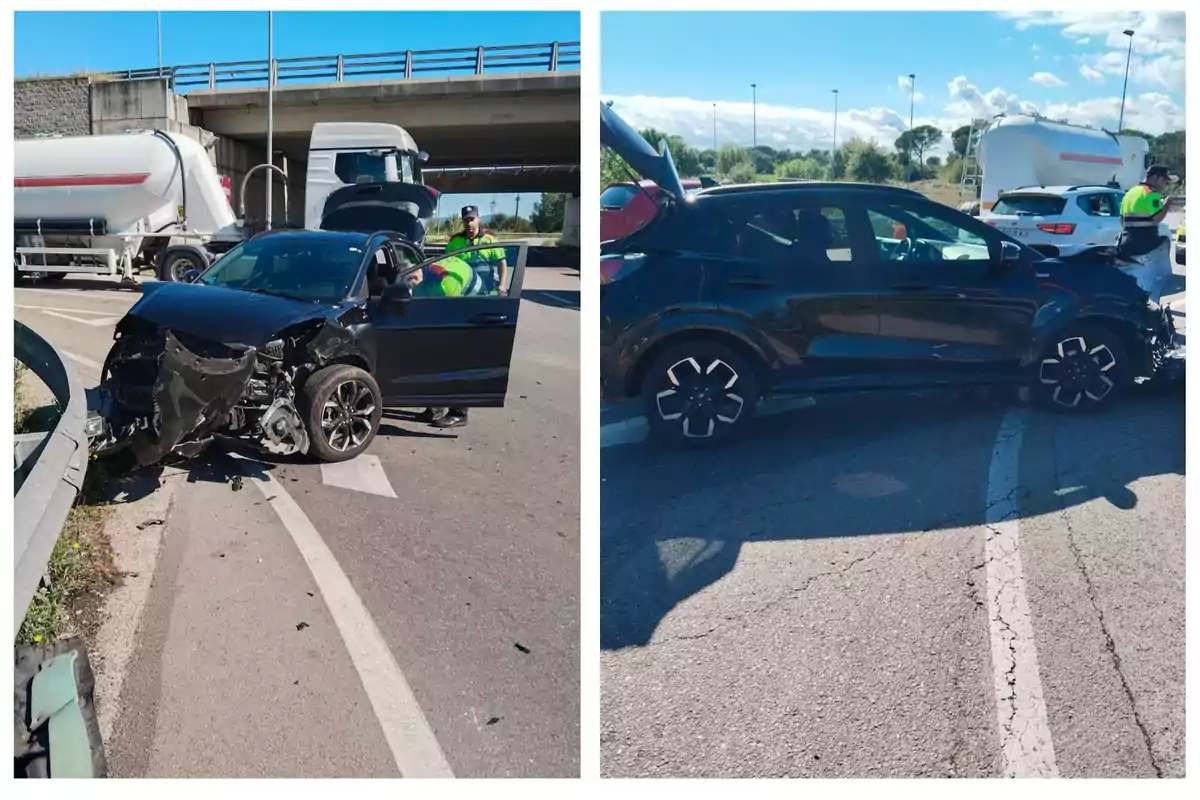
165 392
1167 348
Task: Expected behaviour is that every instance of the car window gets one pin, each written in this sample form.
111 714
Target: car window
925 233
306 267
485 270
1037 205
782 229
615 198
1098 204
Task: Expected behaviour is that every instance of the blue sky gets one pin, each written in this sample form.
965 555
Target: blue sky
118 40
1064 64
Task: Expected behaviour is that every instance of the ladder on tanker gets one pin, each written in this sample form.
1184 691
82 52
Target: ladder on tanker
972 175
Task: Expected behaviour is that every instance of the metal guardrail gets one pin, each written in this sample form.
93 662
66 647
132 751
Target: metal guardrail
49 468
405 64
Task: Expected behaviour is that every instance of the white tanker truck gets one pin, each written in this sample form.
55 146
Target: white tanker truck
112 204
1022 151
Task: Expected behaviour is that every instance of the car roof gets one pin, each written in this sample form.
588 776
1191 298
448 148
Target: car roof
800 187
1059 190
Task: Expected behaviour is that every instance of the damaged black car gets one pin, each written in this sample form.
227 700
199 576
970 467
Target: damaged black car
295 341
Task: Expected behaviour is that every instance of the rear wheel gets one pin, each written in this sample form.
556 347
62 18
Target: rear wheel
175 266
699 392
341 407
1085 368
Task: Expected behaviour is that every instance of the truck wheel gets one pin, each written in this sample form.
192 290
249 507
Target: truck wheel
699 392
53 277
1085 368
178 263
341 406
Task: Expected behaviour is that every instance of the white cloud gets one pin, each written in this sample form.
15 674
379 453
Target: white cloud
1159 41
801 129
906 85
1037 48
1048 79
1091 75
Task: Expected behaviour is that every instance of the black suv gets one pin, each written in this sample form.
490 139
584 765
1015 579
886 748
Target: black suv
742 292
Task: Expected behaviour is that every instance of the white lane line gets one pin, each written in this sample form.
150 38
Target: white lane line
103 322
635 429
414 747
83 361
1026 747
362 474
60 308
90 294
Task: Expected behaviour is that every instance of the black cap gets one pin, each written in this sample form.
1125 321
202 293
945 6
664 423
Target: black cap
470 212
1161 171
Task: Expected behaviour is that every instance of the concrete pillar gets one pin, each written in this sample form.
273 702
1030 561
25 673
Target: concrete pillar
571 211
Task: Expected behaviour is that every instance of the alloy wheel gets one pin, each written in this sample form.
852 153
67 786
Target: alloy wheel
1078 371
700 398
346 416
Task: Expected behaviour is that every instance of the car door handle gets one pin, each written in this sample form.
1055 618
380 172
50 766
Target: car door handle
489 319
910 287
752 283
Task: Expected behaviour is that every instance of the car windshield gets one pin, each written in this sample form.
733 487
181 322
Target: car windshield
1037 205
318 268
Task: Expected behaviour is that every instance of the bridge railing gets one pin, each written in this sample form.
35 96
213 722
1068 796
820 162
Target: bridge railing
406 64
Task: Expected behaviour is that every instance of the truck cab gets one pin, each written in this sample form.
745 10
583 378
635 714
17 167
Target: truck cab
342 154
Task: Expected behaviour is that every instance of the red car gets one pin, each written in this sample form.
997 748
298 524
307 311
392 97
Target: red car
625 207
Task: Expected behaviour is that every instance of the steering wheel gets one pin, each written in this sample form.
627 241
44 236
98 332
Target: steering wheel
904 249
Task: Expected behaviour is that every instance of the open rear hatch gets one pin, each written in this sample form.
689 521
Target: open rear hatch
405 208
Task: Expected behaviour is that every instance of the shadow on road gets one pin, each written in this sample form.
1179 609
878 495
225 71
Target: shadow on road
673 523
557 298
78 283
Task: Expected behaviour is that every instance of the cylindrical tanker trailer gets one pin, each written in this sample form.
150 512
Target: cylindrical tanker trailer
108 204
1023 151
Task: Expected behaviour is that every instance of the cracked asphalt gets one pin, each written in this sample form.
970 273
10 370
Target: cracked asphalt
812 601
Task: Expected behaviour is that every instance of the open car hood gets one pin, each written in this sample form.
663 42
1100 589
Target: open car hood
621 138
367 207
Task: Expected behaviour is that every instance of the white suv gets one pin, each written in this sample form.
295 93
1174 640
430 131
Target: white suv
1059 220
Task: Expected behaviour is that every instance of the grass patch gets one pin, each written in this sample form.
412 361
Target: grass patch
42 76
21 407
81 570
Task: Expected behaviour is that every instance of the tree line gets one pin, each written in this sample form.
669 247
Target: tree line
856 159
546 217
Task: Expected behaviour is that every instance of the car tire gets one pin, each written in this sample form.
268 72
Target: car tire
721 387
341 407
1083 369
176 264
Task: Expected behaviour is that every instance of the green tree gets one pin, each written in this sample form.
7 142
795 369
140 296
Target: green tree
613 168
915 141
960 138
866 162
803 168
742 172
933 161
731 157
547 214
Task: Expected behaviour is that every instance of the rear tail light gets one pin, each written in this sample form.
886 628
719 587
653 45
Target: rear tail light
614 268
1060 228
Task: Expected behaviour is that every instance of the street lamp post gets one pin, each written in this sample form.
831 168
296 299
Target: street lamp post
159 13
912 105
754 110
1128 56
833 153
270 113
714 128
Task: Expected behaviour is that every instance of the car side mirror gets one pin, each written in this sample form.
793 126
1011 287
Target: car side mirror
1010 256
422 156
396 296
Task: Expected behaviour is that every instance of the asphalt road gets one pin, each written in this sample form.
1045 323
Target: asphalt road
459 559
898 587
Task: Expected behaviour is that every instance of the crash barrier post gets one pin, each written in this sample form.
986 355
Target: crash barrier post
493 59
55 727
49 468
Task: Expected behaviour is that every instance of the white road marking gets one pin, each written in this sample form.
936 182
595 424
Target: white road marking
103 322
635 429
89 294
68 310
362 474
83 361
414 747
1026 747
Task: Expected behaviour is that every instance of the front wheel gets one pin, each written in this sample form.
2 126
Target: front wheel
699 392
342 408
1083 369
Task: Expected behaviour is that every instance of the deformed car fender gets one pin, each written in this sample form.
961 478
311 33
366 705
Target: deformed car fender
192 394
